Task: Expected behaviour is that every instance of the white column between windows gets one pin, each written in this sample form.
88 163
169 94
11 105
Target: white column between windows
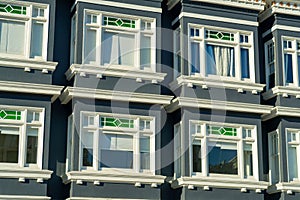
238 63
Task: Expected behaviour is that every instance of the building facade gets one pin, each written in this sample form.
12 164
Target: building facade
149 99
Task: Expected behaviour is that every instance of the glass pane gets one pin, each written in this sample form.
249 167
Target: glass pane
298 58
37 39
31 150
245 63
87 157
293 163
288 66
248 162
195 58
9 144
90 46
145 51
223 158
87 139
116 159
220 60
197 166
145 152
126 49
12 37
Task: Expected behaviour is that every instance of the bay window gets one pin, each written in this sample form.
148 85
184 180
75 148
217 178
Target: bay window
121 40
274 157
291 61
23 30
21 136
270 64
221 52
293 149
223 149
115 141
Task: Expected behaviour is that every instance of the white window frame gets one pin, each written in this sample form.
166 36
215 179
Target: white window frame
295 53
177 52
28 19
295 144
23 124
236 44
177 150
272 155
73 46
267 63
137 32
135 132
206 139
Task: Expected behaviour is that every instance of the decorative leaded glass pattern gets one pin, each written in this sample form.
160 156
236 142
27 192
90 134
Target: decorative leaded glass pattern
219 130
10 114
120 22
116 122
13 9
220 35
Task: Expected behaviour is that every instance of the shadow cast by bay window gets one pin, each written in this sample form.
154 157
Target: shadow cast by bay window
227 150
119 40
114 142
221 52
21 137
24 30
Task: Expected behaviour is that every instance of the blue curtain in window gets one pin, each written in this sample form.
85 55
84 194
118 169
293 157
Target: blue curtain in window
245 63
220 60
288 66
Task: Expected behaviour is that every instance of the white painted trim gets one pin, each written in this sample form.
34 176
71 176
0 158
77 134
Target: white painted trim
31 88
248 4
284 187
113 95
172 3
220 19
95 198
282 111
287 28
20 197
24 172
113 176
215 182
6 61
114 71
281 91
219 82
122 5
217 105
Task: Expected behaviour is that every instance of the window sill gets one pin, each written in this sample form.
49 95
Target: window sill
23 173
284 91
113 176
20 197
115 71
217 81
289 187
28 64
218 182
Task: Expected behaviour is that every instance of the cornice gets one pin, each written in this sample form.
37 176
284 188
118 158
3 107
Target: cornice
284 91
25 173
282 111
21 197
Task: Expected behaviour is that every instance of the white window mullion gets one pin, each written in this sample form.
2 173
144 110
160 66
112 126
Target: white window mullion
238 64
28 32
99 40
205 159
138 47
153 46
41 141
136 148
255 157
45 35
203 53
95 150
22 141
295 66
252 67
240 154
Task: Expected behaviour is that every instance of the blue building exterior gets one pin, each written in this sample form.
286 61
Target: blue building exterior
149 99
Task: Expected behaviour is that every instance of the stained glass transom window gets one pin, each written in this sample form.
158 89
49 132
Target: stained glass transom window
13 9
120 22
116 122
219 130
220 35
10 114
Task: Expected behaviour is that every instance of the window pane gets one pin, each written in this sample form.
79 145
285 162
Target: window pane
31 151
292 162
145 152
145 51
223 158
245 63
37 39
248 162
90 46
288 66
220 60
195 58
87 148
9 144
299 69
12 37
197 158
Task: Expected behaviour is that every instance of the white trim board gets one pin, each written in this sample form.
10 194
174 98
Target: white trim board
114 71
282 111
21 197
282 90
217 105
121 5
248 4
284 187
113 95
26 173
95 198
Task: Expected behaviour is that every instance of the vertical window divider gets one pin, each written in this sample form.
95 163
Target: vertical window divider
255 154
240 146
80 163
138 45
95 149
252 58
22 140
295 61
99 39
202 57
237 49
136 145
204 159
45 35
28 32
153 44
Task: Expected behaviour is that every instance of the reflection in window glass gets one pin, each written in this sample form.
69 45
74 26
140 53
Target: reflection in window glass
9 144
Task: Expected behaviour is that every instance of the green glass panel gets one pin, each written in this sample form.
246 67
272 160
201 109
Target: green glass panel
117 122
120 22
218 130
10 115
13 9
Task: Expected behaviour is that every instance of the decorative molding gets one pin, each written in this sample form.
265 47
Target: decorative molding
27 63
113 177
286 28
122 5
172 3
221 82
19 197
214 182
71 92
289 188
95 198
282 111
219 19
25 173
116 71
281 90
248 4
31 88
217 105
